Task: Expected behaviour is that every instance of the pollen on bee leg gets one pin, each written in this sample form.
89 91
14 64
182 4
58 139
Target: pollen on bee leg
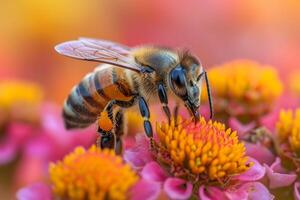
104 122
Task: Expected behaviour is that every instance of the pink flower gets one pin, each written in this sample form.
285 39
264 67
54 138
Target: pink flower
163 182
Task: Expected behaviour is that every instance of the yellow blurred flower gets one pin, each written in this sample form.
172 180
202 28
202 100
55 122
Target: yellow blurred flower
92 174
19 100
288 128
294 83
19 92
204 149
244 87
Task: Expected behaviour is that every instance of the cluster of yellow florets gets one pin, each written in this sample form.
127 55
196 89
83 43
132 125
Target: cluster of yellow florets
244 88
205 148
93 174
288 128
294 83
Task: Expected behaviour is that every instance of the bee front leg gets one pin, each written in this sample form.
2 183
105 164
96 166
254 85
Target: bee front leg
164 101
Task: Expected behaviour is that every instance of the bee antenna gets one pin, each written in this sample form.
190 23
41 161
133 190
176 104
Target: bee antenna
209 95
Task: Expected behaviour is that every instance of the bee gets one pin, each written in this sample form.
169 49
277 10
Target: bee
130 76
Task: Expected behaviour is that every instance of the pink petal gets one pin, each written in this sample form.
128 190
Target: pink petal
277 167
153 172
211 193
277 179
237 194
255 190
35 192
138 155
8 151
255 172
260 153
147 190
270 120
177 188
20 132
297 190
239 127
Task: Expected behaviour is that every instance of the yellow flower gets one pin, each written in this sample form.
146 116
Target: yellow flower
294 83
19 100
205 149
244 87
92 174
19 92
288 128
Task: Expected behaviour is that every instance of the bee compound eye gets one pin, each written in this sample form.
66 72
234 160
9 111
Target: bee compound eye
178 81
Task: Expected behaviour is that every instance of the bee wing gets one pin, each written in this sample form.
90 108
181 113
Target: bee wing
99 51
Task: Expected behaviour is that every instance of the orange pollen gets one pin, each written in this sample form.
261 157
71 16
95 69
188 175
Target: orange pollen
205 148
105 122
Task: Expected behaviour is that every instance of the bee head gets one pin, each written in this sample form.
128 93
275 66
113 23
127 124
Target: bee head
184 81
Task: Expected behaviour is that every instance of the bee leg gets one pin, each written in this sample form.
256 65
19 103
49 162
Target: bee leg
119 130
105 127
164 101
107 141
110 136
175 112
144 110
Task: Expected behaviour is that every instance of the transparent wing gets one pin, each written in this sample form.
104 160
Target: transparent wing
99 51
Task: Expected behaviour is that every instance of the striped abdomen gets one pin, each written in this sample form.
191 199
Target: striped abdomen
88 99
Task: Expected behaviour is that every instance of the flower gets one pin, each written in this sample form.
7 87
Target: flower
19 99
88 174
19 104
13 92
192 160
49 142
206 149
283 172
288 128
294 84
244 89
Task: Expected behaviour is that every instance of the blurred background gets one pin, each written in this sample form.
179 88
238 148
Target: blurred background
266 31
217 31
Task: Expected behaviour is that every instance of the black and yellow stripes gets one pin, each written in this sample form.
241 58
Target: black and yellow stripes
88 99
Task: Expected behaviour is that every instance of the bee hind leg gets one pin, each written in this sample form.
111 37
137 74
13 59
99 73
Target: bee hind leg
110 125
105 127
119 131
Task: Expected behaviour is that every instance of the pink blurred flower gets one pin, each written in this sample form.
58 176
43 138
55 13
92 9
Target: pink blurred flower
285 102
51 143
13 140
35 192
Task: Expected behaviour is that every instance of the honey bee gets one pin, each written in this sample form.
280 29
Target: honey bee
129 76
